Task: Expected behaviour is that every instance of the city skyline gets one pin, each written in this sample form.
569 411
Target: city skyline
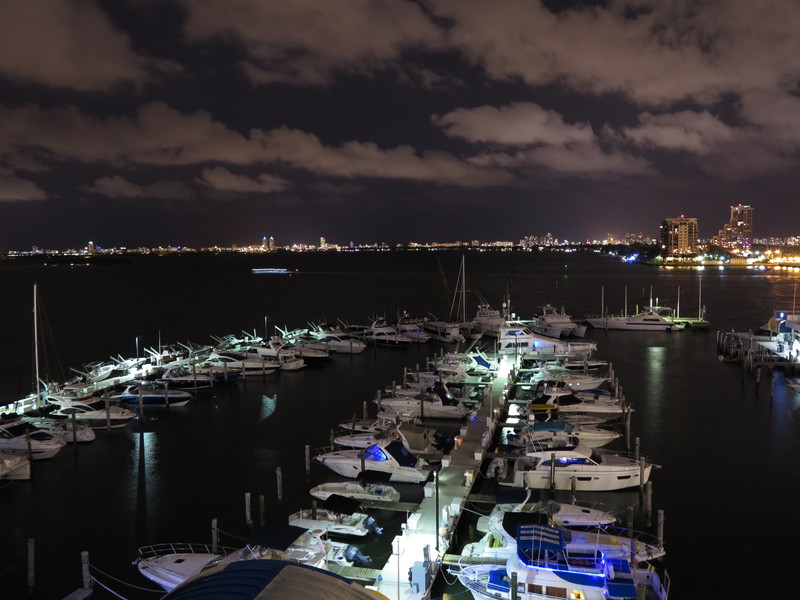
209 122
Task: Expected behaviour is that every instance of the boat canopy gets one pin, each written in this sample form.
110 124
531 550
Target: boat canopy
275 535
534 540
401 454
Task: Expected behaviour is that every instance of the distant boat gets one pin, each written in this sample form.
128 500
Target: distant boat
271 271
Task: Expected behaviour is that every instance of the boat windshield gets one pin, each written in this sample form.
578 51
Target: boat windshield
401 454
374 452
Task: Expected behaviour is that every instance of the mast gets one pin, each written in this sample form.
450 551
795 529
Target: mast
36 347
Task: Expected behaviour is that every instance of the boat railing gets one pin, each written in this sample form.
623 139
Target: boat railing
156 550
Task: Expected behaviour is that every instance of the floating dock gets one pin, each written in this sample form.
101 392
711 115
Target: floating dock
421 548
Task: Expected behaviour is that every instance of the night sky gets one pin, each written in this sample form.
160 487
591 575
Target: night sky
201 122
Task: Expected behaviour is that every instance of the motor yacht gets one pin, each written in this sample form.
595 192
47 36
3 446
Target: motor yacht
20 437
386 456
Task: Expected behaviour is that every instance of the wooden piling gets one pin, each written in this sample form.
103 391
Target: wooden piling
31 566
279 479
248 518
262 510
660 526
215 534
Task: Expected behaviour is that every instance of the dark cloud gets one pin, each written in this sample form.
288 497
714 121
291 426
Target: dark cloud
349 110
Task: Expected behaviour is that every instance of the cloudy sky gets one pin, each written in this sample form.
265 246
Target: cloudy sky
199 122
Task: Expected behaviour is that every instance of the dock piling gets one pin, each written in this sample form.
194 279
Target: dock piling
31 566
248 518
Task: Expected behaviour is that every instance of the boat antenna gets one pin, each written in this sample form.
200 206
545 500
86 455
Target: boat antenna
36 346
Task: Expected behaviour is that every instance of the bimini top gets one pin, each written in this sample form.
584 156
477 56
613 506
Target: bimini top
535 541
269 579
275 535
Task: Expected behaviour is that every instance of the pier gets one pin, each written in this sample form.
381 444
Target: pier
420 549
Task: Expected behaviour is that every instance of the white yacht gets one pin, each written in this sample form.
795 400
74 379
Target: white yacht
560 468
94 412
383 334
390 457
554 323
20 437
652 318
518 338
357 490
169 565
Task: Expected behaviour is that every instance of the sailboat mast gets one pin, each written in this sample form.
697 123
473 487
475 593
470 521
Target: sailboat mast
36 346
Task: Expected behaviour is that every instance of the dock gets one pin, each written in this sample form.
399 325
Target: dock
421 548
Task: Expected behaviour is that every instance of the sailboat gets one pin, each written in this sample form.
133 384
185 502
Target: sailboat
452 331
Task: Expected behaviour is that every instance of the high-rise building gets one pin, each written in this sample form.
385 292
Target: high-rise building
271 243
679 236
323 245
738 231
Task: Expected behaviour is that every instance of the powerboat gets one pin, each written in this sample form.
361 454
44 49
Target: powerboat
387 456
544 564
20 437
287 358
518 338
536 431
582 531
63 429
169 565
363 491
652 318
554 323
246 364
412 327
14 467
434 402
383 334
571 467
416 438
338 516
94 412
151 396
183 377
444 331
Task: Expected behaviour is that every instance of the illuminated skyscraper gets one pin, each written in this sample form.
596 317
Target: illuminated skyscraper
271 243
679 236
738 231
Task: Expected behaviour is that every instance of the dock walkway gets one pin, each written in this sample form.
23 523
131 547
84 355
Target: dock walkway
418 552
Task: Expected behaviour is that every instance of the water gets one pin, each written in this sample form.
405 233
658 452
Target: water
728 448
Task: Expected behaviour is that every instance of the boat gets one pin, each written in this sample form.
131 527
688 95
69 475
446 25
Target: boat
184 377
341 343
363 491
434 402
563 514
418 439
386 456
591 437
338 516
412 327
242 362
487 318
169 565
147 395
20 437
554 323
584 530
63 429
444 331
14 467
277 351
516 337
571 467
95 412
383 334
544 566
651 318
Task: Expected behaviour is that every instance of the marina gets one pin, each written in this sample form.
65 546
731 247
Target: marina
431 521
